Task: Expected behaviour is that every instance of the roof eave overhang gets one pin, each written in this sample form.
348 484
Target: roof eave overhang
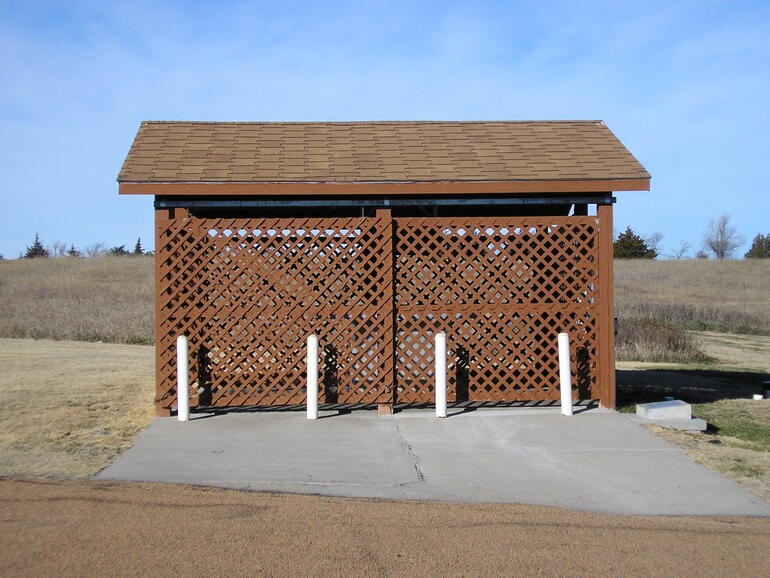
382 188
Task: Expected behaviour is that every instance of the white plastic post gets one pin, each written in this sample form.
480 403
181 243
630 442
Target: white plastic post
440 351
182 379
565 378
312 376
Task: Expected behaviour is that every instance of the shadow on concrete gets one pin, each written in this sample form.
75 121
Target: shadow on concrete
328 410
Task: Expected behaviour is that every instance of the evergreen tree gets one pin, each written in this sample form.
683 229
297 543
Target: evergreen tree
138 247
760 247
72 252
36 250
629 245
118 251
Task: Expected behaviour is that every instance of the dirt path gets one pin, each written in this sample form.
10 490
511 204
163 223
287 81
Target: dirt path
87 528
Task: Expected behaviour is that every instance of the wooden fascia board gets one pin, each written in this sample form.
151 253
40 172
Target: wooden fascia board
379 188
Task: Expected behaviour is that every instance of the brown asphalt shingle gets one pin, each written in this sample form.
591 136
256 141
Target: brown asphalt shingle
377 152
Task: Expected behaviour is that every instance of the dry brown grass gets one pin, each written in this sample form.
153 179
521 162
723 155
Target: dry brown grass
734 350
657 300
648 340
700 294
68 408
105 299
110 299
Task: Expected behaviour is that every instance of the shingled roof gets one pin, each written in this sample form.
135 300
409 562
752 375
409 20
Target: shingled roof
377 152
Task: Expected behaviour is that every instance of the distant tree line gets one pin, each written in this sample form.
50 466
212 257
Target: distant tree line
720 240
57 249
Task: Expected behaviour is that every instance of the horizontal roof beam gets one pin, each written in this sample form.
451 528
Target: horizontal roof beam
190 203
382 188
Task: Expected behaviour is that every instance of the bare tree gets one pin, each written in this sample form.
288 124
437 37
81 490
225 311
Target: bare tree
58 249
721 238
653 241
95 250
682 251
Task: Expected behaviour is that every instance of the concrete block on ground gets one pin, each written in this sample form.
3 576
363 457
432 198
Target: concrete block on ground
674 409
694 424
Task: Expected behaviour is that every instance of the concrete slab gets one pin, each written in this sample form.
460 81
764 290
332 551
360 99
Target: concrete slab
270 451
596 460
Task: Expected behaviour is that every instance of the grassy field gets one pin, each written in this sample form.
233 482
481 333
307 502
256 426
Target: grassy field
106 299
700 294
110 299
656 302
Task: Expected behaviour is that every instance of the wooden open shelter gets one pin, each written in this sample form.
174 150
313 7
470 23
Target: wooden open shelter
375 236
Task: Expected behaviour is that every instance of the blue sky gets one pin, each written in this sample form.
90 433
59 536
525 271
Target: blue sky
685 86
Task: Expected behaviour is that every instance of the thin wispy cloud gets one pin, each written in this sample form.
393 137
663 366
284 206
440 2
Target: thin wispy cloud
685 85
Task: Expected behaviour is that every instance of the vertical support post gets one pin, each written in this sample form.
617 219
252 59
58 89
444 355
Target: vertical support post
606 308
165 221
312 376
161 387
565 377
182 379
389 394
440 389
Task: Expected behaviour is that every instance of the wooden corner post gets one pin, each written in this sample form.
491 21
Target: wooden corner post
606 327
162 218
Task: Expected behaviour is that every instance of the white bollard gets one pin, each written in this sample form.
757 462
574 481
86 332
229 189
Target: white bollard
312 376
182 380
440 353
565 377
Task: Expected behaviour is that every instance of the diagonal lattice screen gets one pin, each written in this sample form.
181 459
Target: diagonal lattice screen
502 292
248 292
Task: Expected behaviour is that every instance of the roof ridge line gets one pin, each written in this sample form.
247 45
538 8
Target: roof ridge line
369 122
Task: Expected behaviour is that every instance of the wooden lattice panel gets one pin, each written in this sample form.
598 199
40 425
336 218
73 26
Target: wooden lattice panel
502 291
248 292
